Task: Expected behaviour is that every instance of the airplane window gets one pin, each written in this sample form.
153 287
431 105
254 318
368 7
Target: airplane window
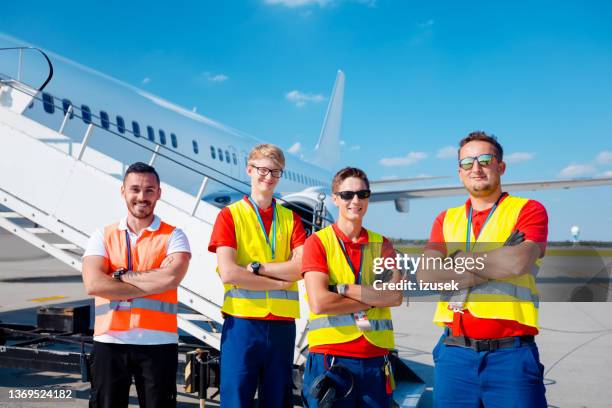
48 103
227 156
220 153
195 147
104 121
150 133
213 154
120 124
65 105
234 159
173 140
135 128
86 114
162 137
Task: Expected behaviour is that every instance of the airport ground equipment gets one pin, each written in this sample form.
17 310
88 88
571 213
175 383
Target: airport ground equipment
67 189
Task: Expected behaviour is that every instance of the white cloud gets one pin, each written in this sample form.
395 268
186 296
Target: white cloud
427 24
300 99
604 157
146 80
342 142
214 77
410 158
577 170
447 152
355 148
518 157
295 148
298 3
606 174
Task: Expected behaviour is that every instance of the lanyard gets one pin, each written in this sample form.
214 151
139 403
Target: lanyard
129 250
350 263
469 248
272 244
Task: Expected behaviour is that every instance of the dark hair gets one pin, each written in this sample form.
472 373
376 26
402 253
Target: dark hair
346 173
480 135
140 167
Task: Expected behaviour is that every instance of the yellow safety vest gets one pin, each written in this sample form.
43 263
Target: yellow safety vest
252 247
335 329
514 298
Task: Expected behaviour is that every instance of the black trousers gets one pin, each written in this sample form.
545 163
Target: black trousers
153 368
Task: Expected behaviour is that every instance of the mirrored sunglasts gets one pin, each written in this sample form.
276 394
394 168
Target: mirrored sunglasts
348 195
264 171
483 160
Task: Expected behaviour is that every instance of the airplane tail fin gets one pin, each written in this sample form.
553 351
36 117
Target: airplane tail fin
327 150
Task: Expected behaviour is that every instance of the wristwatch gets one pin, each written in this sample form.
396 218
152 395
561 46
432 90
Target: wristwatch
255 267
119 273
342 289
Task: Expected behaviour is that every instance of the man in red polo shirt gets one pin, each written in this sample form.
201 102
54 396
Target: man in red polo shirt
350 326
487 355
258 244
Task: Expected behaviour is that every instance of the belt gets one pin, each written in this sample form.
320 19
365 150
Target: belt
488 344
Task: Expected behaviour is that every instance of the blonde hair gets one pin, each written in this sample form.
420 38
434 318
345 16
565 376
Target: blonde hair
269 151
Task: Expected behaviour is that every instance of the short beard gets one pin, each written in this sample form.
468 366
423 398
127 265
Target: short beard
139 215
484 190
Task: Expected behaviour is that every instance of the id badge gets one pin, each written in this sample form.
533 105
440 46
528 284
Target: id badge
362 321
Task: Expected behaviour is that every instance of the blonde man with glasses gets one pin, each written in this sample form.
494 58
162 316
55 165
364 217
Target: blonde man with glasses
258 244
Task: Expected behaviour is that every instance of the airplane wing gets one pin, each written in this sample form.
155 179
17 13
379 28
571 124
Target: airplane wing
401 197
376 183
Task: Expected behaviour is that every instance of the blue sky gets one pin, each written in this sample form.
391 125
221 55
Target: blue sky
418 78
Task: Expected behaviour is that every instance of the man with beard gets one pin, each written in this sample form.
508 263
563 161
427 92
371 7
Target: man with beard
487 355
133 268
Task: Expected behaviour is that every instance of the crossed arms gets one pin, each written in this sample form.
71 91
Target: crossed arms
168 276
272 276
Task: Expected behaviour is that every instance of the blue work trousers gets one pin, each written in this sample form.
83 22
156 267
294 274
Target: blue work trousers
369 381
504 378
257 352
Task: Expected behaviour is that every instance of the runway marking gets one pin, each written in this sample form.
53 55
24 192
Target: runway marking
46 299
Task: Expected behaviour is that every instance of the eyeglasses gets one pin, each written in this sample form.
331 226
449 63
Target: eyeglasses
264 171
483 160
348 195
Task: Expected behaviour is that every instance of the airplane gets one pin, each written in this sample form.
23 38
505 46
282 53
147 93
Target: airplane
75 96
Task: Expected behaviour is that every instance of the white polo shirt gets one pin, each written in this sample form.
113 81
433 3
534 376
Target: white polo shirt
176 243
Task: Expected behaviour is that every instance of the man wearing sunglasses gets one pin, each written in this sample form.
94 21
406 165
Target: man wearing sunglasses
350 322
487 355
258 244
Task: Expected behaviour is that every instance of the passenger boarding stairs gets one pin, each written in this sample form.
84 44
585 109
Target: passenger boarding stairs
68 190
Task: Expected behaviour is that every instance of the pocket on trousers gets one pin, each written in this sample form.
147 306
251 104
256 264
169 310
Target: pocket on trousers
532 361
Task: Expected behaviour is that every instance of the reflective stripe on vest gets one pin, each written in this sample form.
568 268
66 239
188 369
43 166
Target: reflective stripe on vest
138 303
153 312
346 320
336 329
514 298
252 246
261 294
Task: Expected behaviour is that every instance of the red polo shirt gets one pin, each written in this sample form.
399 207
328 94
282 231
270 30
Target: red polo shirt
224 234
314 258
533 221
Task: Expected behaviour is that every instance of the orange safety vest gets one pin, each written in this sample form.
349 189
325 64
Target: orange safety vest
152 312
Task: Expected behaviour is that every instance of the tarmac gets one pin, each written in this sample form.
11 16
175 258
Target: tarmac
574 341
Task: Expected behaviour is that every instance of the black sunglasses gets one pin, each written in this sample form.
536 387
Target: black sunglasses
348 195
483 160
264 171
